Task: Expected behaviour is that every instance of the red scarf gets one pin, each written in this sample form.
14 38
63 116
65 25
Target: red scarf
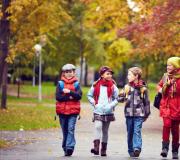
138 84
102 82
69 81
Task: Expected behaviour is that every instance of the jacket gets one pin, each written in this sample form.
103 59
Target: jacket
105 106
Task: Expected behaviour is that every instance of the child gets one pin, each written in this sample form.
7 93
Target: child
137 109
169 86
68 95
102 96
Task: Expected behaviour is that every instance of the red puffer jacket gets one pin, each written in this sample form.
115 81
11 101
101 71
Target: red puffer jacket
65 104
170 105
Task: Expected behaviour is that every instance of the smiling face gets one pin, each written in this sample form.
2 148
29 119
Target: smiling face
107 75
170 68
131 77
69 74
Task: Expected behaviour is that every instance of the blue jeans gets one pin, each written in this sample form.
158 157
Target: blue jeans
134 138
68 123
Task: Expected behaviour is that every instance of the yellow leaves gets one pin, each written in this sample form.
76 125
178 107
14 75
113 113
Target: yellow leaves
110 14
31 18
118 52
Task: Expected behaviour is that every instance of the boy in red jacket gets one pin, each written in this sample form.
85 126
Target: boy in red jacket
68 95
169 86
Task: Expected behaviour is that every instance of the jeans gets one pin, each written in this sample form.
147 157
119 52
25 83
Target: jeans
68 123
134 138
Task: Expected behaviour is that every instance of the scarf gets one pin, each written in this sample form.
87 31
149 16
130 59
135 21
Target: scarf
169 79
69 81
102 82
140 84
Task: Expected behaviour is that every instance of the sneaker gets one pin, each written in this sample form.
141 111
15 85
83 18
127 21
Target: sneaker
137 153
175 155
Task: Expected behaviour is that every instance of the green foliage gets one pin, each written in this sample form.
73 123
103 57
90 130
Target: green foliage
118 53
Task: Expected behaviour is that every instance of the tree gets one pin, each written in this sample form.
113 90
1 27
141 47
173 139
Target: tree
28 20
4 49
157 33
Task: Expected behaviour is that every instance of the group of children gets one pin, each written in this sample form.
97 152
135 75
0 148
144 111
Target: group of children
104 97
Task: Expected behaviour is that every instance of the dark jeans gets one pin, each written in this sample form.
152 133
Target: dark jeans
134 138
68 123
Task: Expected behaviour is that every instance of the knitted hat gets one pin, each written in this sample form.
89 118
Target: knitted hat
136 71
104 69
175 61
68 67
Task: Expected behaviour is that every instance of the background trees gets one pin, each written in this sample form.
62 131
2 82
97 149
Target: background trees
84 31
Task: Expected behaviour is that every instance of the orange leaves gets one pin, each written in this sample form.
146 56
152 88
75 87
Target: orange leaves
158 33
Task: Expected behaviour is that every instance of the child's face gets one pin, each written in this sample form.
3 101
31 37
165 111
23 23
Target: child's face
69 74
107 75
170 68
131 77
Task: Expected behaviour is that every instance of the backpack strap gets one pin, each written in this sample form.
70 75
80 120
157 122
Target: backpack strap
61 85
76 85
142 90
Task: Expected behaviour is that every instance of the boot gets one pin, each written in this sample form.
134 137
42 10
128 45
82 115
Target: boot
175 148
95 150
103 149
165 148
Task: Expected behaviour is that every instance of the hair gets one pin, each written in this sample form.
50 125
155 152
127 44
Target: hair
136 71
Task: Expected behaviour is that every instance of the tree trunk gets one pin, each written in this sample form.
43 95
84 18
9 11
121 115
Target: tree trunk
4 43
86 75
81 52
4 88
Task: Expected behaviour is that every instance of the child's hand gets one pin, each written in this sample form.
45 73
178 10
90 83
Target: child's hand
70 97
65 90
160 90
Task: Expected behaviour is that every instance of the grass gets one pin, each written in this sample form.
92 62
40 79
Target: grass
152 91
19 117
30 93
29 114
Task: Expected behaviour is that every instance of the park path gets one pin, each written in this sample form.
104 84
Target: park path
45 144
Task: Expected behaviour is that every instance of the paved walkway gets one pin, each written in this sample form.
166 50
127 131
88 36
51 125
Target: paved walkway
45 144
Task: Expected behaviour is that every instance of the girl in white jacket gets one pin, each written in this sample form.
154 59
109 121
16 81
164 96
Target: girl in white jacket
102 96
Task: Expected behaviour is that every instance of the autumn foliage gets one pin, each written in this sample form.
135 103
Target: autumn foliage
158 33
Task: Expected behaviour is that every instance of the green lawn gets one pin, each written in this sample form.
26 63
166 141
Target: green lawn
29 114
27 117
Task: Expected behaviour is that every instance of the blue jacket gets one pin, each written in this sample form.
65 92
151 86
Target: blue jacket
104 105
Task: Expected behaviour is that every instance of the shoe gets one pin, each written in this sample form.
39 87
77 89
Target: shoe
131 154
175 155
95 150
68 152
175 149
165 149
137 152
164 152
103 149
